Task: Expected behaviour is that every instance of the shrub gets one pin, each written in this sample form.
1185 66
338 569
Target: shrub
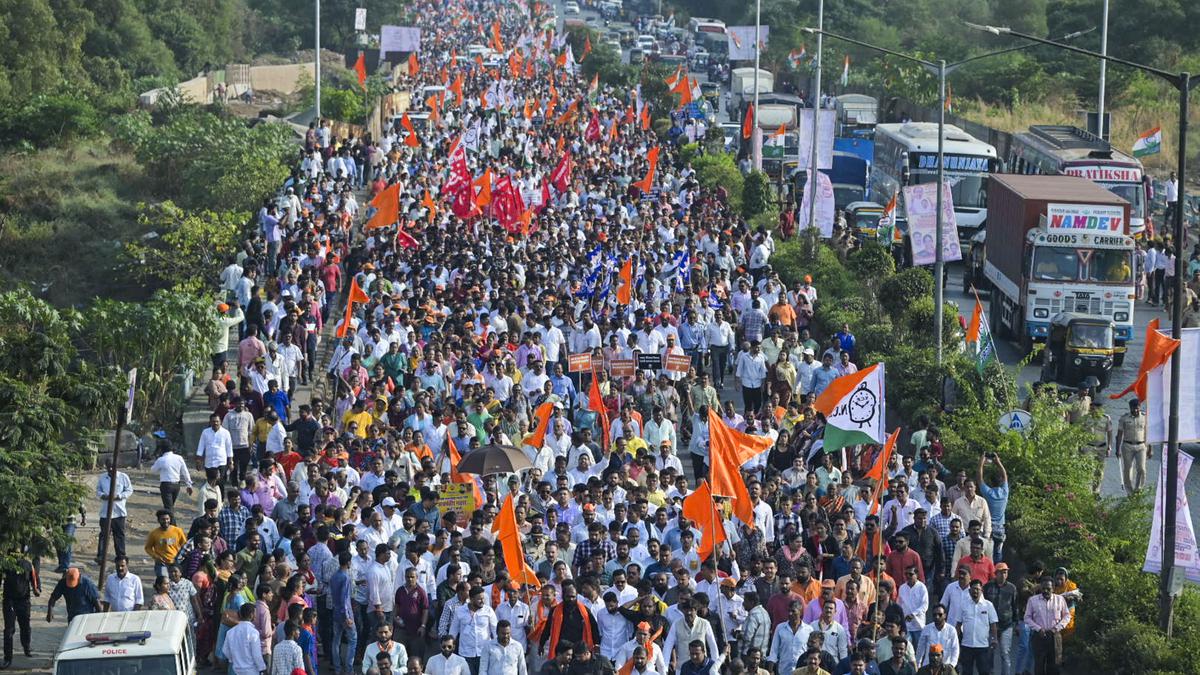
720 170
831 315
900 291
757 196
50 119
872 263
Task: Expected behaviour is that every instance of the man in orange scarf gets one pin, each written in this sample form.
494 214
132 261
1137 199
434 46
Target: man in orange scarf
571 622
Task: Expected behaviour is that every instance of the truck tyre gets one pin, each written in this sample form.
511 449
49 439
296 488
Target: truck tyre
996 316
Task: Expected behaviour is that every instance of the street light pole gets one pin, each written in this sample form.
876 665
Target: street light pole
1103 69
815 99
317 59
939 290
1183 83
755 133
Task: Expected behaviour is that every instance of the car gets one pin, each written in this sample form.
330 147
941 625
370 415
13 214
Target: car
732 131
570 8
614 43
636 55
645 41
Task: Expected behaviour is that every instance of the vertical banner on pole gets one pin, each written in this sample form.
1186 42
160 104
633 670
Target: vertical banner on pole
1186 558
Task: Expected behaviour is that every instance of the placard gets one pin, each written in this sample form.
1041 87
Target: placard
826 123
678 363
920 204
360 18
622 367
649 361
459 498
579 363
398 39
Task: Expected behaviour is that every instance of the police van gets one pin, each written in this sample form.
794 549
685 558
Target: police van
128 643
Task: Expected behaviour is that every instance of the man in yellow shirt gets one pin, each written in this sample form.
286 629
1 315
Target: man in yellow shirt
163 542
358 413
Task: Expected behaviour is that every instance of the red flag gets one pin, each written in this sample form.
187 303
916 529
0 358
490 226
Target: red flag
507 205
360 67
648 182
592 133
561 175
748 122
460 176
545 198
463 205
405 240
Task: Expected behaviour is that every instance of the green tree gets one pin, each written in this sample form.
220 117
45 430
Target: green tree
901 291
757 196
52 404
191 249
719 170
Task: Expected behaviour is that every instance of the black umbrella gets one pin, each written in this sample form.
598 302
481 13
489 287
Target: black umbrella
491 459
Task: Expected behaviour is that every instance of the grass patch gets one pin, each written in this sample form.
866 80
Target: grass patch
64 215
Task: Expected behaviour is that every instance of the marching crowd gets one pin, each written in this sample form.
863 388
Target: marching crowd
323 544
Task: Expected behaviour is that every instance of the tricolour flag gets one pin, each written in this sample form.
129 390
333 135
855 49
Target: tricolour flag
796 57
593 88
854 409
846 71
979 337
1149 143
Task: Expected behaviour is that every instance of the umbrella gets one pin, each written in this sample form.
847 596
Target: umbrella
491 459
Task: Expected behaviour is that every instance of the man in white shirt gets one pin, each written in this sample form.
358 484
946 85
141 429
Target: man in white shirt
659 429
216 450
474 626
614 628
172 473
914 600
977 622
654 662
447 662
123 589
505 656
243 647
515 613
938 633
751 373
381 576
124 490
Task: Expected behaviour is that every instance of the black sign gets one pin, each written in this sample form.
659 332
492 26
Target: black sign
649 361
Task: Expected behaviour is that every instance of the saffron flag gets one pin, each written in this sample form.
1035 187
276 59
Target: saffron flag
625 289
413 66
430 206
846 71
878 472
780 132
505 527
593 87
360 69
854 409
748 122
484 183
387 205
458 477
457 88
648 182
596 405
674 79
729 449
645 117
1148 143
979 337
700 508
587 48
356 295
796 57
949 102
538 437
1156 350
411 140
684 89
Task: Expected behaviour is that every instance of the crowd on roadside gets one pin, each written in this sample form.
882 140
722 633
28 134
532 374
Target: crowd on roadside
322 542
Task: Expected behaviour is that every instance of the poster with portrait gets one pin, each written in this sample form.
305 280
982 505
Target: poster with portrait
920 205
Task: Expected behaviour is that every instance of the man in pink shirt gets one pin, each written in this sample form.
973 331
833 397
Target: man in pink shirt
1046 615
249 349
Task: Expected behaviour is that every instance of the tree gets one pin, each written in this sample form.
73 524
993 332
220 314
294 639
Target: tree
191 248
719 170
756 194
51 405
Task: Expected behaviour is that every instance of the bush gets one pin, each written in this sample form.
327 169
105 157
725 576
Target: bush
900 291
720 170
846 310
768 219
50 119
688 153
872 263
757 196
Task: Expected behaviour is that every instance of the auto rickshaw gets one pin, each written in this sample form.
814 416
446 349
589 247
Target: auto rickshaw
863 218
1079 346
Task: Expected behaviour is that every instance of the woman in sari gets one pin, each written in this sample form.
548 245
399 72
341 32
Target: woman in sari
206 633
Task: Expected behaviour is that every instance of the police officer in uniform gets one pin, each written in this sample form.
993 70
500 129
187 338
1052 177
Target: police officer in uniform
1081 404
1100 428
1131 440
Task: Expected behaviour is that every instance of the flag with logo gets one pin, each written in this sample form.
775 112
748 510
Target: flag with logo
979 337
854 409
1149 143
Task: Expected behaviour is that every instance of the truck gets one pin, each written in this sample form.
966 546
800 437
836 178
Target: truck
1056 244
857 115
741 82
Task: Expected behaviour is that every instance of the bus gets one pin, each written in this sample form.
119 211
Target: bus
1048 149
906 154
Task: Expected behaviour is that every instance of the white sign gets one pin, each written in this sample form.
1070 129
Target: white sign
741 41
826 122
131 394
1158 393
920 203
1186 558
1017 420
825 210
1102 218
1105 174
360 18
398 39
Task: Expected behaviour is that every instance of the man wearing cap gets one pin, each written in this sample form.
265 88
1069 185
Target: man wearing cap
816 607
935 664
77 591
224 322
1131 439
1003 595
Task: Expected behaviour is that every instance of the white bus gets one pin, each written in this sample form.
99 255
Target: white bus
906 154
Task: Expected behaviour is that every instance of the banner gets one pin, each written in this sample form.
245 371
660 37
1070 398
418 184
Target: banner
920 204
1158 392
825 211
579 363
741 41
1186 557
398 39
360 18
649 361
622 367
678 363
826 122
459 498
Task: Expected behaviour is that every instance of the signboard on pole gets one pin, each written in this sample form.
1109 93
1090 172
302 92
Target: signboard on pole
920 203
360 18
825 211
1016 420
678 363
579 363
1187 560
457 497
130 395
623 367
825 125
649 362
398 39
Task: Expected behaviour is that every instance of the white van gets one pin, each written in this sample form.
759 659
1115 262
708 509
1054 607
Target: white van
130 643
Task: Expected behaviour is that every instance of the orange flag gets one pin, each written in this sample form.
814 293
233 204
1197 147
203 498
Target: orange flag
748 122
587 48
674 79
684 88
625 289
387 204
526 221
411 140
505 527
1155 352
839 389
456 476
484 183
569 114
435 109
430 206
700 508
612 131
976 318
538 437
781 131
646 183
596 405
645 118
561 60
514 64
729 449
413 66
457 88
496 41
528 111
360 68
356 295
879 469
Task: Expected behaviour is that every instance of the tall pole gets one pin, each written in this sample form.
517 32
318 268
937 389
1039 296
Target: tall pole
106 533
755 134
317 59
1171 455
1103 68
815 99
938 287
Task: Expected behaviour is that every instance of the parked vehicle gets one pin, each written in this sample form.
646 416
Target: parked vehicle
1079 346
